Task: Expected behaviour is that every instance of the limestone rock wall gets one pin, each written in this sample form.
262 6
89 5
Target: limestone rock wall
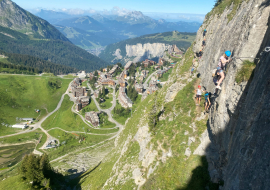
146 50
239 119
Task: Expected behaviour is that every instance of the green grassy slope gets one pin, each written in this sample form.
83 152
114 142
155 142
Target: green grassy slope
182 40
21 95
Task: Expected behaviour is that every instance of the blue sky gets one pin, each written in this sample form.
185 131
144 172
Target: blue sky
164 6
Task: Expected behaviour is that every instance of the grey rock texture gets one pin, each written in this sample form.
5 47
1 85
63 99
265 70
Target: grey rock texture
14 17
239 119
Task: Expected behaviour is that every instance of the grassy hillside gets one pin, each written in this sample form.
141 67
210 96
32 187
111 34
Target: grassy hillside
21 95
182 40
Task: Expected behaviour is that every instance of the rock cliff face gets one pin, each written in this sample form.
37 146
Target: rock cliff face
239 119
14 17
147 50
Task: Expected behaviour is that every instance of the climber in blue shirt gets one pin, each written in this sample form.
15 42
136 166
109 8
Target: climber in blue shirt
207 102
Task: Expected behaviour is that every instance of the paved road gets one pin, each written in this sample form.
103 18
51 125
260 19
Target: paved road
145 84
108 111
81 132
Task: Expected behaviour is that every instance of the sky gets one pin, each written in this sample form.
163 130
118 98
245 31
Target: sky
161 6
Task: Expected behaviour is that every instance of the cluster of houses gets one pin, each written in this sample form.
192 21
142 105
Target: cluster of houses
123 99
80 93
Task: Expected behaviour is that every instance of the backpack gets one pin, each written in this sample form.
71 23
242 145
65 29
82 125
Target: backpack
206 96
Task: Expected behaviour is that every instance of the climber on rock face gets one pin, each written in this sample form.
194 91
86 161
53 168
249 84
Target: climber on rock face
203 43
222 62
204 33
207 102
198 95
200 53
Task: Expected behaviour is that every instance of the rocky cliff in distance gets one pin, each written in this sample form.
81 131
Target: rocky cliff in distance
147 46
239 119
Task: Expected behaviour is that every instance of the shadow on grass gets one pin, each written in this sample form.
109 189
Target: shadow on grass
200 178
74 180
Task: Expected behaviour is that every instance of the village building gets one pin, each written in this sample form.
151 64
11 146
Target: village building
91 76
145 72
99 72
108 75
107 82
76 82
152 83
125 73
96 93
79 91
93 118
121 82
83 100
20 126
81 74
127 66
139 87
124 100
104 70
141 78
160 61
113 69
148 62
152 89
160 73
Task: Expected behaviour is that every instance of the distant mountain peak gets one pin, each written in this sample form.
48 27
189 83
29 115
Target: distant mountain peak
16 18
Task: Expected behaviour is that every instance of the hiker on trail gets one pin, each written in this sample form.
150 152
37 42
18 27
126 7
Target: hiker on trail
207 102
220 68
198 95
200 54
204 33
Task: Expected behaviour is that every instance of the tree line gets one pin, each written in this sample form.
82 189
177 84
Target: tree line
55 51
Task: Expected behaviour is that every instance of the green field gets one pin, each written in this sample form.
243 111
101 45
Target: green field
72 142
21 95
109 98
23 138
165 76
65 119
11 155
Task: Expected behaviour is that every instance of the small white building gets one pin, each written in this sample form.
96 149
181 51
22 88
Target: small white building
20 126
27 119
81 74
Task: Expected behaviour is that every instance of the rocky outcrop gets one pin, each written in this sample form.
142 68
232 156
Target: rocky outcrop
239 117
148 50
